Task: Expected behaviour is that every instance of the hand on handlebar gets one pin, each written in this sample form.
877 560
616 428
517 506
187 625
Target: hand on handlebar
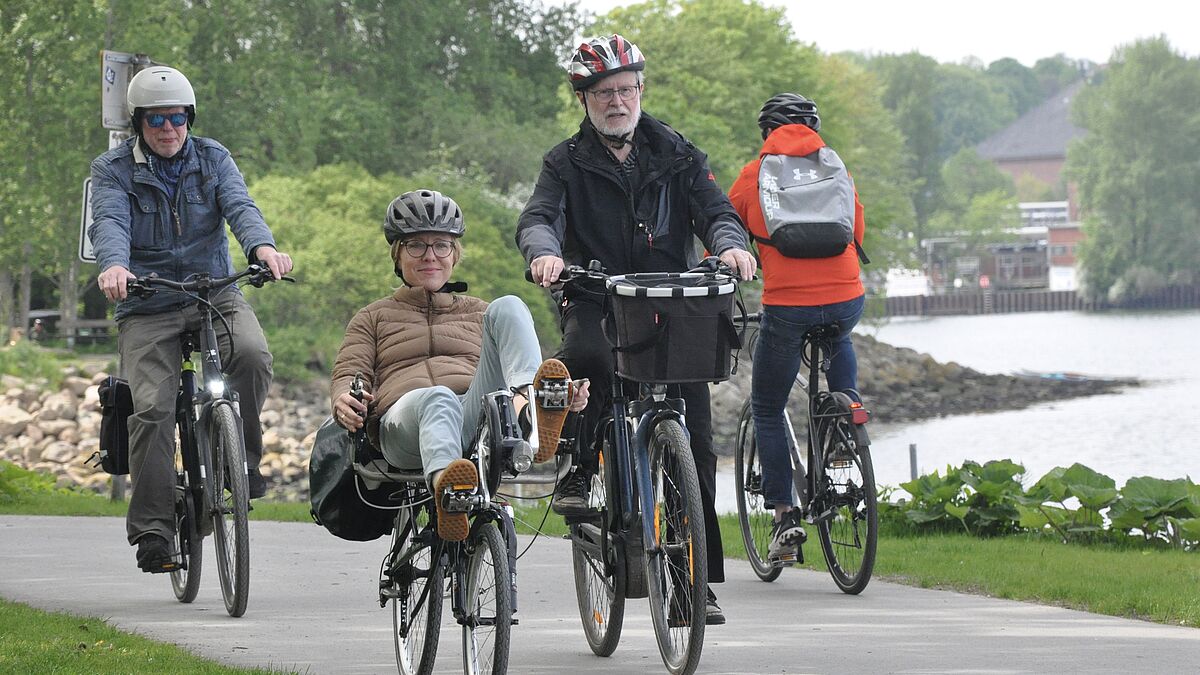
740 262
279 263
114 282
349 412
545 270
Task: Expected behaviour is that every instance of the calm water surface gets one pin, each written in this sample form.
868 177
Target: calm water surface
1151 430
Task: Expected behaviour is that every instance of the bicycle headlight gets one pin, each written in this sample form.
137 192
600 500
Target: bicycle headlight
216 388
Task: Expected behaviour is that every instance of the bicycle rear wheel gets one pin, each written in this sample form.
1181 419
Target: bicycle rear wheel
754 518
414 576
599 571
487 628
188 542
846 513
678 571
230 494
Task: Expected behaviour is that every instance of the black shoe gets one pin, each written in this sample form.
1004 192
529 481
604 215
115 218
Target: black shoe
154 555
786 537
256 483
713 616
571 495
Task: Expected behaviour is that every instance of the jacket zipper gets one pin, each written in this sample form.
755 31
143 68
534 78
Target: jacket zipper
429 324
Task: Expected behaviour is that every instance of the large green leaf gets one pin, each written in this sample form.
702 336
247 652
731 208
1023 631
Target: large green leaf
994 480
1189 529
1051 485
1156 496
1094 490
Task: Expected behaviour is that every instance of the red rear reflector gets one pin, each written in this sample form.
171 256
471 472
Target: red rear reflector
859 414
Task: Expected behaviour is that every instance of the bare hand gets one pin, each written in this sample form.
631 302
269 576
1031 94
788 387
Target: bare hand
349 412
579 397
741 262
545 269
279 263
114 282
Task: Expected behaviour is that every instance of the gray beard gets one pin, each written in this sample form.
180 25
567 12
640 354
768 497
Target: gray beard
624 130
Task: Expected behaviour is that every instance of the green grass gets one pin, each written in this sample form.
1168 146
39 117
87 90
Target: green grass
33 641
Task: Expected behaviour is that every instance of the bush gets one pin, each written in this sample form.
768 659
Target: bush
28 361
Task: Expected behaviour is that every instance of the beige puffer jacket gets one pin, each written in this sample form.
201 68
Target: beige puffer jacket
411 340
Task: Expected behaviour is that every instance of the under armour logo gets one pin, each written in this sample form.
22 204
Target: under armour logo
797 174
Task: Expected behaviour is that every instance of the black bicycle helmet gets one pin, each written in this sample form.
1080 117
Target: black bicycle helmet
784 109
600 57
422 211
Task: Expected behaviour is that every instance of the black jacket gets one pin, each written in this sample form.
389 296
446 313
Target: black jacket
583 208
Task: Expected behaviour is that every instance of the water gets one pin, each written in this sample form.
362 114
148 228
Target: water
1151 430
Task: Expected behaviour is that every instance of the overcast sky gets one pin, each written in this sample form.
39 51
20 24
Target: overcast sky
952 30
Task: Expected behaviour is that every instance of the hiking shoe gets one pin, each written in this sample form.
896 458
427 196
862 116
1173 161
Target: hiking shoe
571 495
552 391
786 537
713 616
154 555
256 483
459 476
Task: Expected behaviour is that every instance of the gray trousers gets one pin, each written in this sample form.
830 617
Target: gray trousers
429 428
150 359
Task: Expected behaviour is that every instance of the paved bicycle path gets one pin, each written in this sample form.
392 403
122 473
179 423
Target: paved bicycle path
313 609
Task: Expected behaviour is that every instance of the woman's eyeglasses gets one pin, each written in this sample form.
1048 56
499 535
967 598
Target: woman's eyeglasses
417 248
156 120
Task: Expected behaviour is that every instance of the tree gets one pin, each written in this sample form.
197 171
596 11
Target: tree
1136 170
1019 83
979 202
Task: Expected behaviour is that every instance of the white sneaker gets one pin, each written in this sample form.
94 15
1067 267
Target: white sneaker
786 537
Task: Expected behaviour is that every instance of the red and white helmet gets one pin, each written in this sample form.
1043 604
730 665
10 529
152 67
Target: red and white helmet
600 57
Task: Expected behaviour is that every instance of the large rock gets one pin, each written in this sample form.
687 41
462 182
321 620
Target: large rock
76 385
59 406
13 420
59 452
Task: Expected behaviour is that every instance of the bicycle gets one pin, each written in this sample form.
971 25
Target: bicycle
211 488
480 571
644 536
837 495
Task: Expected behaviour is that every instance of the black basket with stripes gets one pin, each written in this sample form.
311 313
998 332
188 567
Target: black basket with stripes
673 327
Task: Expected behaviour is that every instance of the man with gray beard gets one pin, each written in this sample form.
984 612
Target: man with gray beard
634 194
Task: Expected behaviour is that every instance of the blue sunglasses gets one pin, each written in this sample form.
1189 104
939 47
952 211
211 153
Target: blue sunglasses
156 120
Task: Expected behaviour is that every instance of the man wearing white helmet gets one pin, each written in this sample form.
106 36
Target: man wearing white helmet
158 205
633 193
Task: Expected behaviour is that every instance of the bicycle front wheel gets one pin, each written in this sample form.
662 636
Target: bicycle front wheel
185 581
488 625
414 577
230 495
677 570
754 518
599 570
846 514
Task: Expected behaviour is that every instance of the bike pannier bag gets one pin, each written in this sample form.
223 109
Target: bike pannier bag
807 204
673 327
334 489
116 405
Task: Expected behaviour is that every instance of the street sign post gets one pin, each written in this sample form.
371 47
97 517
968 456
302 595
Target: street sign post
86 254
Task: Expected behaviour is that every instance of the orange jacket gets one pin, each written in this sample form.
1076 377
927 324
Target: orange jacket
796 282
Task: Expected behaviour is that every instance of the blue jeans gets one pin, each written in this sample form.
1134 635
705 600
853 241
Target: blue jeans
777 360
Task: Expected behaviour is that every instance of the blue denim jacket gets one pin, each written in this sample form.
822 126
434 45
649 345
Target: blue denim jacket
135 225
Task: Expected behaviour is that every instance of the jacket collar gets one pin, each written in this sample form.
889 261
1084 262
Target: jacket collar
792 139
419 297
663 143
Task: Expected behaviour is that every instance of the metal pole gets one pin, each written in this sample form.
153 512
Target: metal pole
912 460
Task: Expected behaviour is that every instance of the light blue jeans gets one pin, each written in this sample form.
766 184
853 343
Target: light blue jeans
430 427
777 359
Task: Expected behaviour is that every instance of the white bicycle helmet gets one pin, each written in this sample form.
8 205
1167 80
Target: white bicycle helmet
159 87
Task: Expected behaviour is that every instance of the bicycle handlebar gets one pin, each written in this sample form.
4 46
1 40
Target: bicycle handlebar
257 275
595 271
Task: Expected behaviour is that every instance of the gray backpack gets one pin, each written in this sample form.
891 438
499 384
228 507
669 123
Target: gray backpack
807 205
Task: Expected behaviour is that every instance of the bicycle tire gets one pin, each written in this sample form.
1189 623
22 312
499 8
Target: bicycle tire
188 542
678 572
230 495
599 569
754 519
487 630
415 587
846 515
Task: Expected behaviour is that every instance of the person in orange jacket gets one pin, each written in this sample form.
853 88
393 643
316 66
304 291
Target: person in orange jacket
798 293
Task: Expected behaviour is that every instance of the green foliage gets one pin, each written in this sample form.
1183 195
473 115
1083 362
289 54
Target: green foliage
988 500
1136 170
330 221
17 483
29 362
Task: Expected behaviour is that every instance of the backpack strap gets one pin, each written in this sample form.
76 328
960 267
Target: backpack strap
862 254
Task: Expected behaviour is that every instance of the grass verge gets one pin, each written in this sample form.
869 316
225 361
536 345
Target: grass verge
33 641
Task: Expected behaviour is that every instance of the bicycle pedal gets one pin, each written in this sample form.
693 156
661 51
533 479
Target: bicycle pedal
461 499
554 393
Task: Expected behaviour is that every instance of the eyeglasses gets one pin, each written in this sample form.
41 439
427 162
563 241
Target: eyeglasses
156 120
417 248
606 95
